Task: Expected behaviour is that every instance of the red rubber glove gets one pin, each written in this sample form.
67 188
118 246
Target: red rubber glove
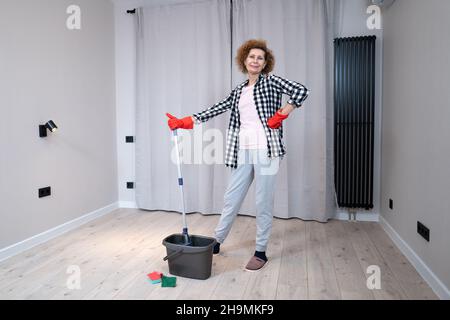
276 120
175 123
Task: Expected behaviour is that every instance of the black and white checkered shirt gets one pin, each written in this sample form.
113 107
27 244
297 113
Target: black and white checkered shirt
267 94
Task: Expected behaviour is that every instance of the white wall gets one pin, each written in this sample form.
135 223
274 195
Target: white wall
48 72
416 130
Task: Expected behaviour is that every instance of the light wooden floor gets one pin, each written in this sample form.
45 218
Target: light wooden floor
307 260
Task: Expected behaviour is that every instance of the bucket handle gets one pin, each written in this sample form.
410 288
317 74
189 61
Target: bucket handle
173 254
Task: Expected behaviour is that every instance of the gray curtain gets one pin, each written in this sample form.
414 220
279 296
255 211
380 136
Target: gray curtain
196 69
183 66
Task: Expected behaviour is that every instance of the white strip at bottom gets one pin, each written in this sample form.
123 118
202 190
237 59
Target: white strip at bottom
360 216
127 204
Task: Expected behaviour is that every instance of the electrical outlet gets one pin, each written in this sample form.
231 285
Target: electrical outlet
423 231
44 192
391 204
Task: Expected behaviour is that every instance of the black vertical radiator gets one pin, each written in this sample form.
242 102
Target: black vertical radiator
354 106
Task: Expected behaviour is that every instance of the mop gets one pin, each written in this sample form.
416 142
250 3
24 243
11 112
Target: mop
186 239
189 256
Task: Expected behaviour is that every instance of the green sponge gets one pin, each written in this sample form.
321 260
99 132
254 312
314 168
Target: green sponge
168 281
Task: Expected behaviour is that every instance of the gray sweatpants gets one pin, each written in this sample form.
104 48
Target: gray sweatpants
251 163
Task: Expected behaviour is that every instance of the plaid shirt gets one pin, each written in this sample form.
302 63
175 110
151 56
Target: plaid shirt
267 95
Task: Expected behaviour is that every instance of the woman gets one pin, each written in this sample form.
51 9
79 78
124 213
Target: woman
254 140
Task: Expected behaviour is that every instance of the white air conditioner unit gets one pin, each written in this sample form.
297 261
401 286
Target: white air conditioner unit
383 3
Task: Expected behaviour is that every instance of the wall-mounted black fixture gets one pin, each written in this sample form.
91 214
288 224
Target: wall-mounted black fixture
130 185
423 231
44 192
50 125
129 139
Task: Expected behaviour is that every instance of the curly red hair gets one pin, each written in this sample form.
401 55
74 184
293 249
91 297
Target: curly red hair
244 50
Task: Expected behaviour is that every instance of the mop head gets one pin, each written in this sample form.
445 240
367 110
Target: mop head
186 239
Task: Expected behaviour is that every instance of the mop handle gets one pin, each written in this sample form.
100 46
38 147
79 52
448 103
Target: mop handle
180 176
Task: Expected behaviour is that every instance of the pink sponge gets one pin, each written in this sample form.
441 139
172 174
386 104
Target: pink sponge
155 275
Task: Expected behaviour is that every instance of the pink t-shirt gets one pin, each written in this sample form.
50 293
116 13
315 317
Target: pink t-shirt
251 132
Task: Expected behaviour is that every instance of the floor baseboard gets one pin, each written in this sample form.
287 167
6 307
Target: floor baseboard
128 204
33 241
372 217
433 281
